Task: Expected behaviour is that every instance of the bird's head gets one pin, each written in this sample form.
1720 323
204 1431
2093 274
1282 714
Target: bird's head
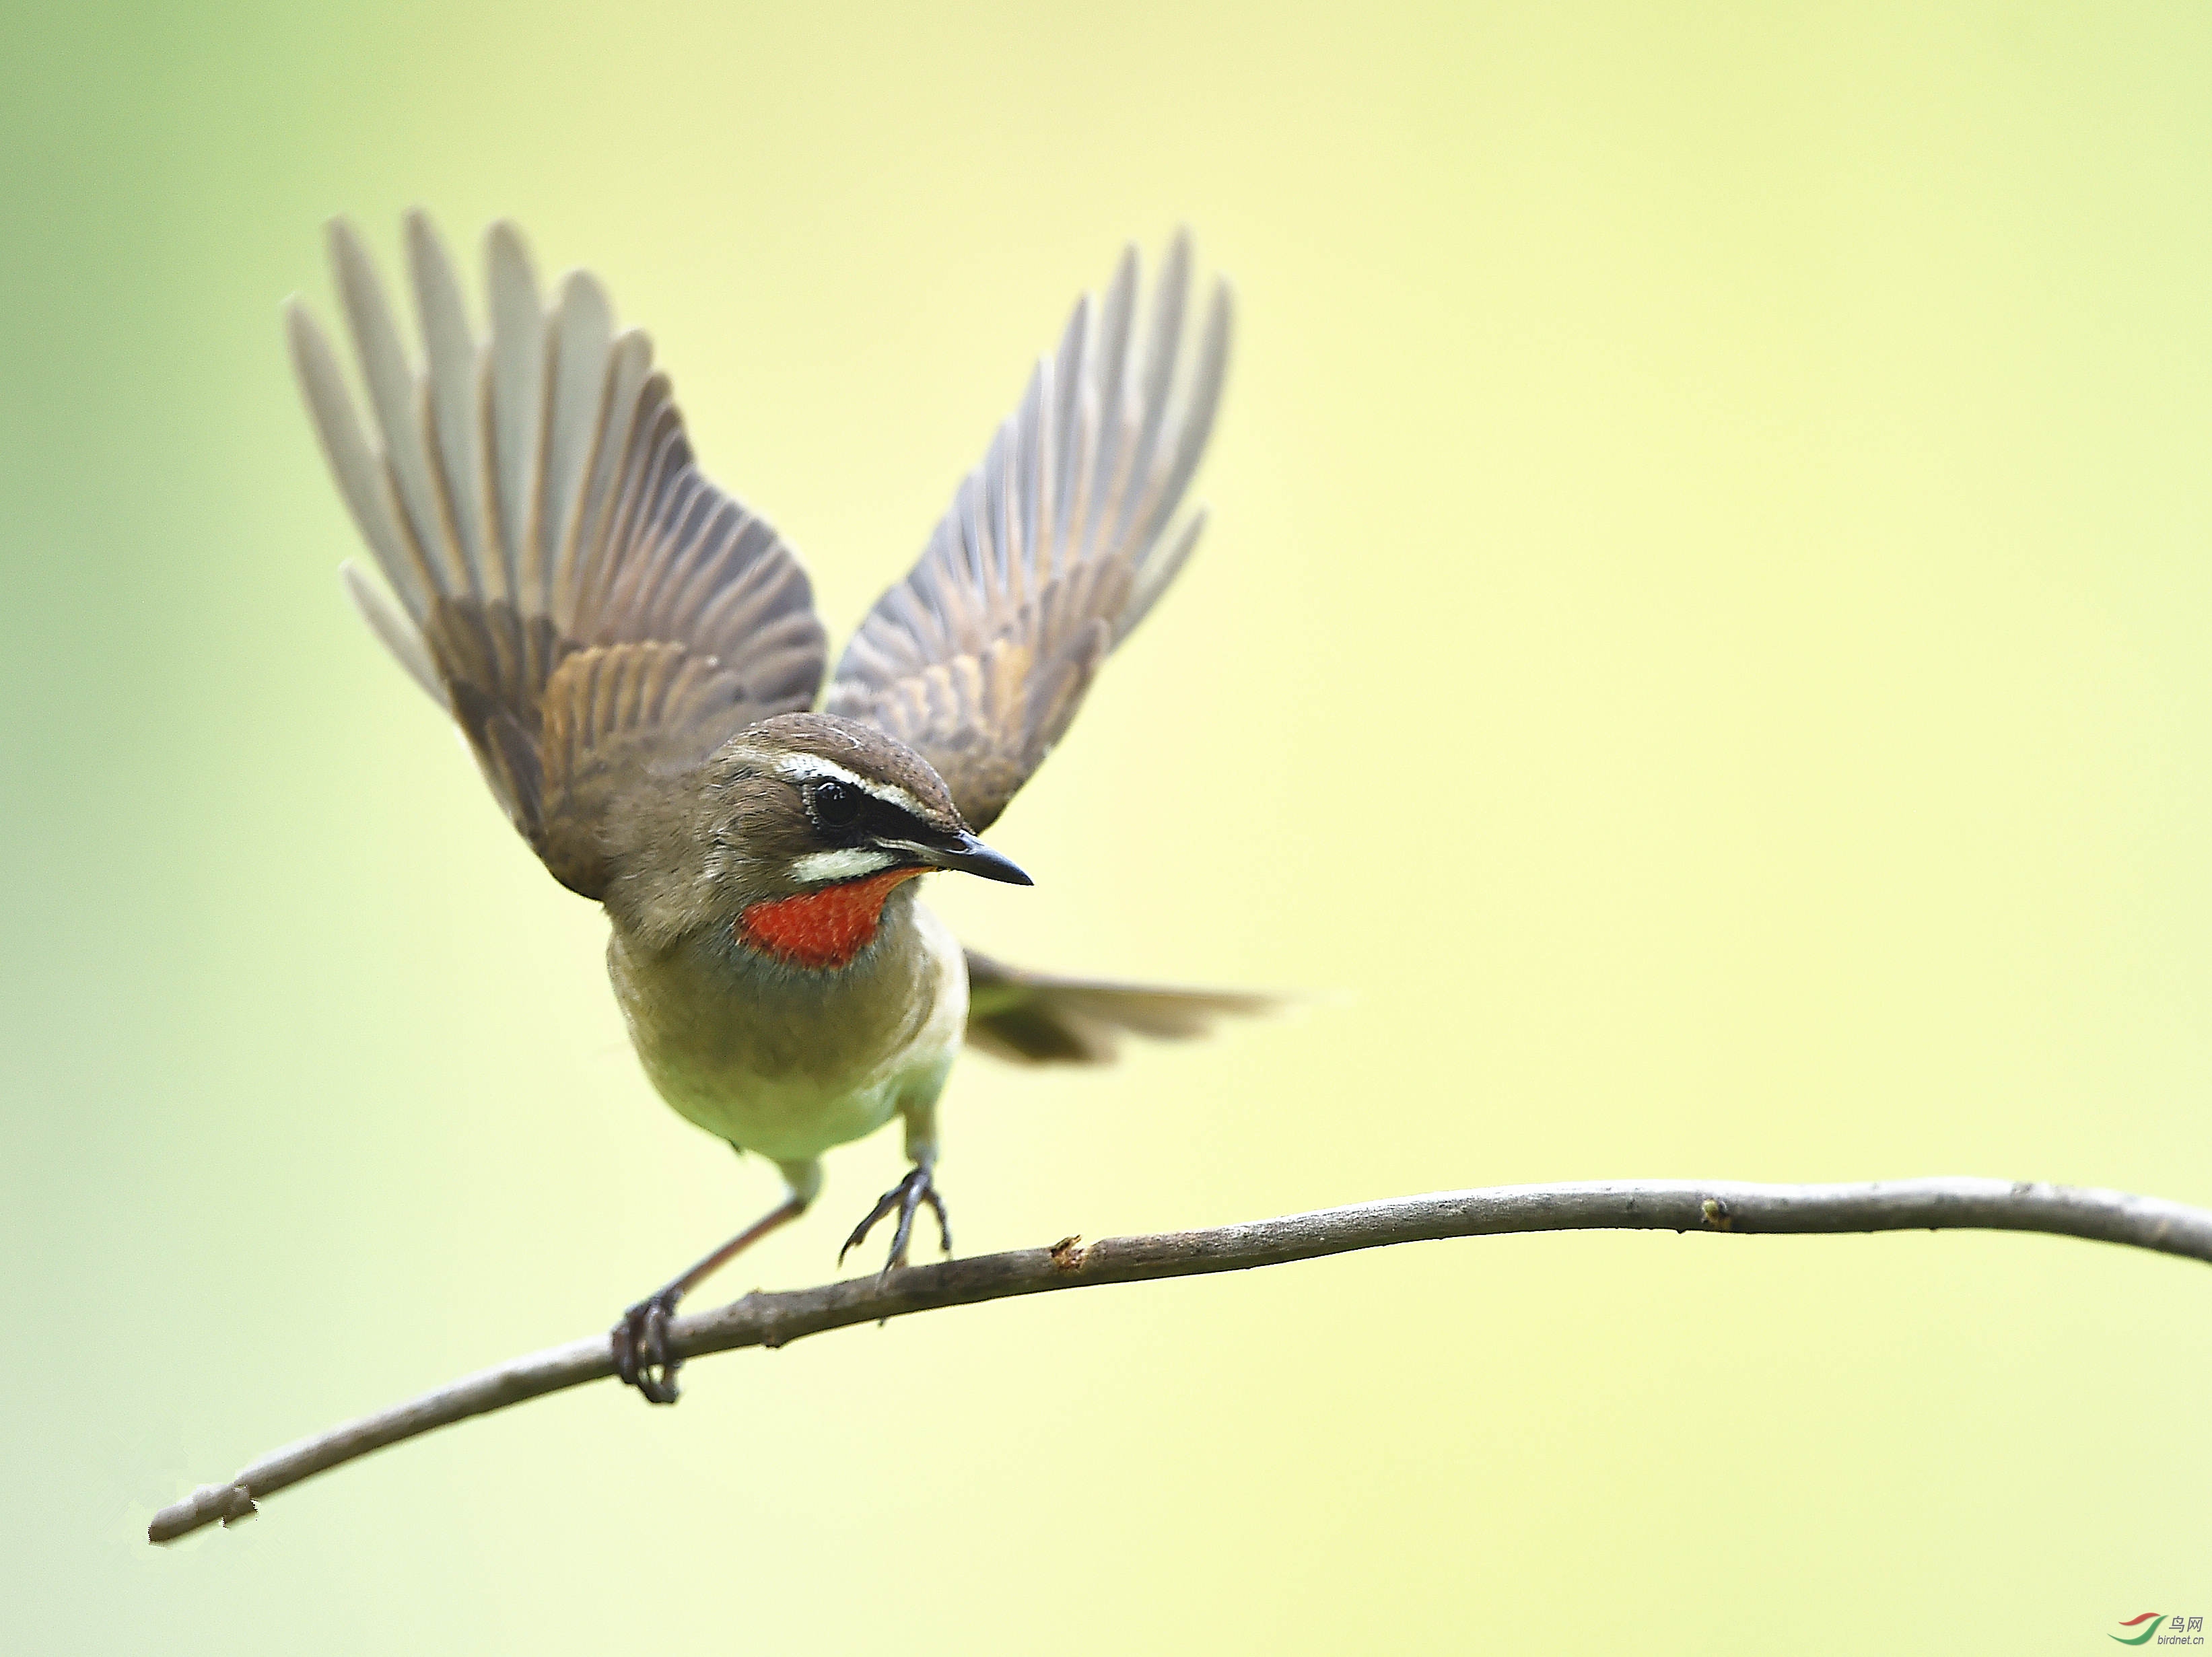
794 836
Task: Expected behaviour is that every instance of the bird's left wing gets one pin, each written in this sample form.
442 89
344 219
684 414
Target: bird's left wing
1054 549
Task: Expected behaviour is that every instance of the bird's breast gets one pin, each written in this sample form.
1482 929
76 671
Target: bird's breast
786 1060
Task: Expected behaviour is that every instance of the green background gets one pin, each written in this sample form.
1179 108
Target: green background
1705 649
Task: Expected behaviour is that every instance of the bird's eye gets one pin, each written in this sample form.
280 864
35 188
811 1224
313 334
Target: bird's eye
834 804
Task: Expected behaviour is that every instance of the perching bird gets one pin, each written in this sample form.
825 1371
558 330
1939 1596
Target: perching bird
633 656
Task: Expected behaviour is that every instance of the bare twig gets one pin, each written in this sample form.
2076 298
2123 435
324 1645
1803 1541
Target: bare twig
770 1319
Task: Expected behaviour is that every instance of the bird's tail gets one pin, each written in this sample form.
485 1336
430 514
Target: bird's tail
1032 1018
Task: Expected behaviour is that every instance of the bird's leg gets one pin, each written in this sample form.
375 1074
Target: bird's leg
641 1339
906 1198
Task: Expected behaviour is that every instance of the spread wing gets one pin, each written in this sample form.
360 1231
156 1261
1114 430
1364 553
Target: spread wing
565 581
1054 548
1037 1019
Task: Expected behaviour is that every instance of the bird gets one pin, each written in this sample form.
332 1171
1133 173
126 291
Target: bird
633 656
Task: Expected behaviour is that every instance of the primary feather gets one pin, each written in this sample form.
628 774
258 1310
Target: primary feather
1054 549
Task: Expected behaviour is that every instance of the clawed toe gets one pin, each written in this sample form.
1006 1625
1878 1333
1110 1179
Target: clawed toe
643 1358
906 1198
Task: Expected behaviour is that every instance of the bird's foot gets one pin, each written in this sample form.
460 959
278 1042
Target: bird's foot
641 1348
906 1198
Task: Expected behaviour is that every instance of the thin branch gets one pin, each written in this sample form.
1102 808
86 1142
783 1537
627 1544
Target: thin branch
771 1319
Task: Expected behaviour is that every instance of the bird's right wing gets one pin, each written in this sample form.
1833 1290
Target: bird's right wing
1034 1018
569 585
1054 548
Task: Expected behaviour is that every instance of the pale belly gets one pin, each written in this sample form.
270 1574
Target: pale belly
788 1063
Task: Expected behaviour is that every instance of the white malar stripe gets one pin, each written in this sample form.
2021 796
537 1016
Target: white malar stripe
812 767
846 863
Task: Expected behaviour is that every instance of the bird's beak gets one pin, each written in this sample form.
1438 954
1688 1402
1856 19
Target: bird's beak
969 856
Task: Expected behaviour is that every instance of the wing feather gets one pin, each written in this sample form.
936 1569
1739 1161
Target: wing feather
569 587
1054 548
396 632
451 389
582 338
393 397
517 411
354 464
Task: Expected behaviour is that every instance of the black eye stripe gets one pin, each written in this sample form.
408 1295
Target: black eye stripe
883 821
845 816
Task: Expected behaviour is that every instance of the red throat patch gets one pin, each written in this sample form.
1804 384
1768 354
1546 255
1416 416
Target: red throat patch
820 929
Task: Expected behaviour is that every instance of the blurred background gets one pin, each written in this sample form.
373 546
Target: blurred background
1705 649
